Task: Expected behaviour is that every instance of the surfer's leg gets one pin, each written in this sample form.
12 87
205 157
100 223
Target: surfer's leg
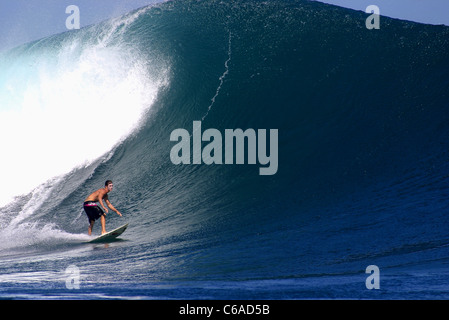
91 225
103 224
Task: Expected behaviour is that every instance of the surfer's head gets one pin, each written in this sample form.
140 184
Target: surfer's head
108 184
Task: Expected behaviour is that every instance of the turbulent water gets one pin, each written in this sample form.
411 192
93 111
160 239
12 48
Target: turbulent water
362 155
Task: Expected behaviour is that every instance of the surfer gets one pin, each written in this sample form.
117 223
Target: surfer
94 211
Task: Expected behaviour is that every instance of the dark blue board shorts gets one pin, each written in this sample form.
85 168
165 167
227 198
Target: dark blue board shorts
92 210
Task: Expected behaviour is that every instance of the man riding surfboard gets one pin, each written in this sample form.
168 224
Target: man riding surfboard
94 211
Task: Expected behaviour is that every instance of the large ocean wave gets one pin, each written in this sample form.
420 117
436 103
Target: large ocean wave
362 121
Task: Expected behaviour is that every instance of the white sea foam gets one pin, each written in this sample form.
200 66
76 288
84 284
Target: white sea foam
222 77
64 104
29 234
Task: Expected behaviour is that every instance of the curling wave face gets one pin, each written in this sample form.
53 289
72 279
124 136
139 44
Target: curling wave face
362 125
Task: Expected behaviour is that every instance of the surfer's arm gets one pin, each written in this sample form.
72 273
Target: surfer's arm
112 207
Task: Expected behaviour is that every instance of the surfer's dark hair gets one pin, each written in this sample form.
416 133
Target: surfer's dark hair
107 182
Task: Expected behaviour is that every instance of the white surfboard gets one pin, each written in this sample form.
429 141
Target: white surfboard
111 235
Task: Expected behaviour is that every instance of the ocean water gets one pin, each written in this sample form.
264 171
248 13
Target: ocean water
362 156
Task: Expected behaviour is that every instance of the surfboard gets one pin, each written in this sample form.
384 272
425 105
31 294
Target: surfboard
111 235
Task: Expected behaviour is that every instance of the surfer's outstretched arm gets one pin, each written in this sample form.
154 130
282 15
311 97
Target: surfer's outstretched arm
112 207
